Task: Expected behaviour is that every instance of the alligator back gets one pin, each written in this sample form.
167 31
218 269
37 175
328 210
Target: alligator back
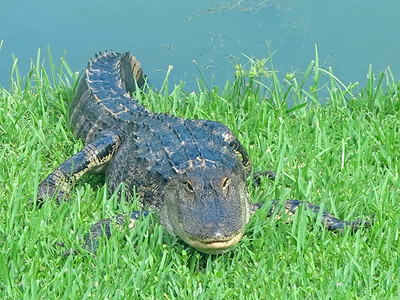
102 100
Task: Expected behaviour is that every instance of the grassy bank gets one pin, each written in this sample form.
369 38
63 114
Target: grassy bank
343 155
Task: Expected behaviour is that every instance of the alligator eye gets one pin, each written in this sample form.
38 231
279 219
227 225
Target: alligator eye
189 186
225 184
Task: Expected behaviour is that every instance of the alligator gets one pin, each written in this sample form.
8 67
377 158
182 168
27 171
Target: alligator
192 172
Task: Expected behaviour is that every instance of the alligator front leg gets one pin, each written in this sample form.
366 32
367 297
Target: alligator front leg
104 228
93 157
328 220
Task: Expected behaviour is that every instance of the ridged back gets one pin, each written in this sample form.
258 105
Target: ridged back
182 145
163 144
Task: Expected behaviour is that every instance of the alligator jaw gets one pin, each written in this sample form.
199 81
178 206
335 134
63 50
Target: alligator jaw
215 246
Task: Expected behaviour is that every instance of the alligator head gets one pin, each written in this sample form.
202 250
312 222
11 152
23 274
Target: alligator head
207 208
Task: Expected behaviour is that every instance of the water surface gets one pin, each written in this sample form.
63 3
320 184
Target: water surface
350 34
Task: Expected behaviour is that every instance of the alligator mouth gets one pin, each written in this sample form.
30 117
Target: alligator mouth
214 246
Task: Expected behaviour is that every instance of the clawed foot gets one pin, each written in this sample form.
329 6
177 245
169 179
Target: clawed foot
353 225
104 228
47 190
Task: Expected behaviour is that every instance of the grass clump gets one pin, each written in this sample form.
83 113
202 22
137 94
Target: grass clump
342 154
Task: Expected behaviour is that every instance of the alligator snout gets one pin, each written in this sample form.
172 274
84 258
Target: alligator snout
214 246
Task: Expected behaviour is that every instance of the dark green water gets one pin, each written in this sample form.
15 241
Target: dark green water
350 34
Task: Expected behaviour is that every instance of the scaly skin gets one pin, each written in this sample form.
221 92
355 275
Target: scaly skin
192 172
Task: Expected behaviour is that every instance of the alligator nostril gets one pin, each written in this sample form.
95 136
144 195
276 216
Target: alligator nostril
215 231
218 235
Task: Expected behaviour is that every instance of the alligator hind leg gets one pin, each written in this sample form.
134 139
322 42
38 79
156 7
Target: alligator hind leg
104 228
328 220
93 157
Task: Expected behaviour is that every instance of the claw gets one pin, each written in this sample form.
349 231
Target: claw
47 190
103 228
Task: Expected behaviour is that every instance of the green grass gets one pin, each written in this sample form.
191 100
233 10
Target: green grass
343 155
